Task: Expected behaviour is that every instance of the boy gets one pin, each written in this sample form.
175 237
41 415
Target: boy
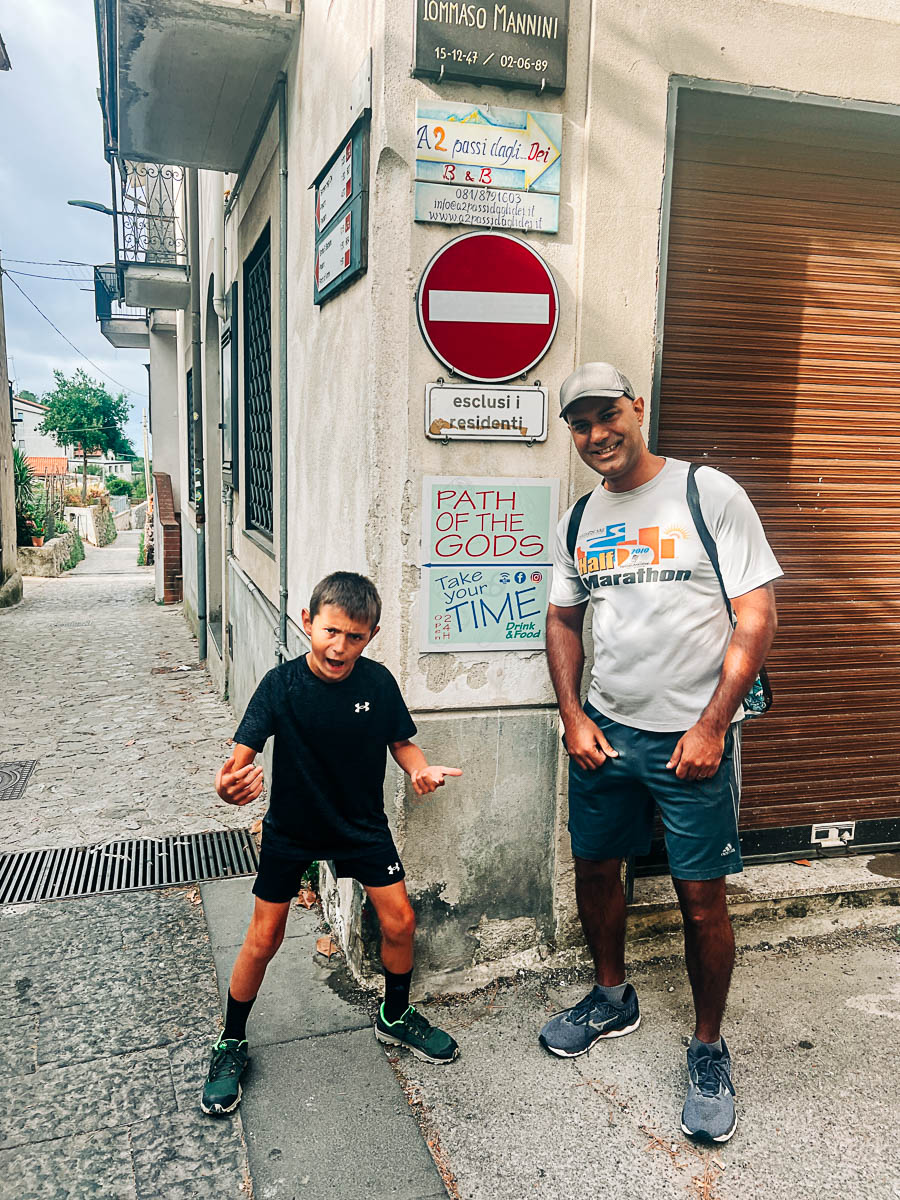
332 715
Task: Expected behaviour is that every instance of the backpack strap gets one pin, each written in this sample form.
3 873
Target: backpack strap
709 545
575 523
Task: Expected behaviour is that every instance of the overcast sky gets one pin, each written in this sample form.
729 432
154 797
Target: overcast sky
51 151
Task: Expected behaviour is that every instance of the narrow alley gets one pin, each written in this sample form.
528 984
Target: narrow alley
126 745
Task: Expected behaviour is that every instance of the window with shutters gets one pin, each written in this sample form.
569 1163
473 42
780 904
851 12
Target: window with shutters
258 388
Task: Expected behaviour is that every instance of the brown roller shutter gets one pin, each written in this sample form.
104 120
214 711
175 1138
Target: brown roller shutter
781 366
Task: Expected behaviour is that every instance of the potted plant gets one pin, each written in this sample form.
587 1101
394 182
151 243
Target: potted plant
37 525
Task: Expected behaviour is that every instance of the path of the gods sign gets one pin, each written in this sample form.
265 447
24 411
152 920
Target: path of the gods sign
486 562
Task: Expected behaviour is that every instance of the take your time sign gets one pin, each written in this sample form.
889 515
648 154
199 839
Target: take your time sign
486 562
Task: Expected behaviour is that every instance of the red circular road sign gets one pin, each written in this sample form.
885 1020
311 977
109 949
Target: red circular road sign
488 306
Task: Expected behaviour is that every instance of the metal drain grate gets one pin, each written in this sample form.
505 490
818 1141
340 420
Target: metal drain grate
125 866
14 777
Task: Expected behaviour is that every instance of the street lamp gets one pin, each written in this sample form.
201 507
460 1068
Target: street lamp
92 204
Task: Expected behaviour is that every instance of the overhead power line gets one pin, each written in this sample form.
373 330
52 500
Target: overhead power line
40 262
65 278
96 367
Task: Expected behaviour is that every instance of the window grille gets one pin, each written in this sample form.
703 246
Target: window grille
192 433
258 388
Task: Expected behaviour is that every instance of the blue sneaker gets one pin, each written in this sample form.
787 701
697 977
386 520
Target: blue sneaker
575 1030
709 1108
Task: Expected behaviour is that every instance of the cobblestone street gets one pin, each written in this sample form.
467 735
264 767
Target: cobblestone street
120 751
108 1004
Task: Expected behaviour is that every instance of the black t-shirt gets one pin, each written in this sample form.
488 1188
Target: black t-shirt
326 793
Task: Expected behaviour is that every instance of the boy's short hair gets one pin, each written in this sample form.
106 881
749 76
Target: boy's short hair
353 593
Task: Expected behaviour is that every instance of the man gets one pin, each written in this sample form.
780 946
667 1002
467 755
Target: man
661 722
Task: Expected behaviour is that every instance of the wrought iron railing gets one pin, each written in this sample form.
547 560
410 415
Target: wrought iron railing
107 303
149 208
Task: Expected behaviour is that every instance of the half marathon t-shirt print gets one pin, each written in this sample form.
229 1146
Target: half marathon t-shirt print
660 628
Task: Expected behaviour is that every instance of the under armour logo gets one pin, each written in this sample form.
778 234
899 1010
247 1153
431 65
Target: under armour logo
395 867
363 707
729 849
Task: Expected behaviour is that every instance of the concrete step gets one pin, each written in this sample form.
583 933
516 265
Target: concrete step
777 901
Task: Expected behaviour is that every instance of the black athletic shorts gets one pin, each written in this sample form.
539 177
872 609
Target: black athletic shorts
279 876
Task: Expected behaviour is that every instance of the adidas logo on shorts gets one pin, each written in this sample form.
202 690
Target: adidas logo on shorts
729 849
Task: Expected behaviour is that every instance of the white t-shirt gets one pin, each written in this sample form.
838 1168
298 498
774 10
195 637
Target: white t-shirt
659 623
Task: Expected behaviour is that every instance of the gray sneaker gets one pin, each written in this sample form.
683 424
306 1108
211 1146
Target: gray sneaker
575 1030
709 1108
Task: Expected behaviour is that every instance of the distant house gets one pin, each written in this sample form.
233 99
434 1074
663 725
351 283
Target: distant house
27 417
43 465
122 468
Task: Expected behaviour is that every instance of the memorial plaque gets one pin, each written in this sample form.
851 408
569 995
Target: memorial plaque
520 44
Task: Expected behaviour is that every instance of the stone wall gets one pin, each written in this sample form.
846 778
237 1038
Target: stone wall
47 561
95 523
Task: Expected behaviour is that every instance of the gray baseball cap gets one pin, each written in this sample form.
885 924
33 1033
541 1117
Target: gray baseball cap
593 379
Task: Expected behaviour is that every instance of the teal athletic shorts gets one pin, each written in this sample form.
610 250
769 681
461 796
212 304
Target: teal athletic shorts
611 808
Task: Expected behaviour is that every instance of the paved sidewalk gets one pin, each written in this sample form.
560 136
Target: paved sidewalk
121 752
814 1031
107 1003
322 1112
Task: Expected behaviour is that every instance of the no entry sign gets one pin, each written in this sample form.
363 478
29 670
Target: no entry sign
488 306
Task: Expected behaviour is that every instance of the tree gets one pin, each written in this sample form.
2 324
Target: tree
81 412
23 395
138 487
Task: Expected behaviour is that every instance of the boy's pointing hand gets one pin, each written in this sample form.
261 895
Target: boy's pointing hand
239 785
429 778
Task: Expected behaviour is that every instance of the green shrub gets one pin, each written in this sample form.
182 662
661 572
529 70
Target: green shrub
119 487
105 525
60 526
76 554
24 486
142 558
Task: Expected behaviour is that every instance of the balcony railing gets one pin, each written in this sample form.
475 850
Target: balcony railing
121 324
150 214
107 302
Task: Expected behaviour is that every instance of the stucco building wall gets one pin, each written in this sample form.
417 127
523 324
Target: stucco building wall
487 858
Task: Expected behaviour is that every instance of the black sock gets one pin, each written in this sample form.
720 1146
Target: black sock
396 994
236 1015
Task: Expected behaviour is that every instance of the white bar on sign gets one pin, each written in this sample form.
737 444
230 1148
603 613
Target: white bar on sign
512 308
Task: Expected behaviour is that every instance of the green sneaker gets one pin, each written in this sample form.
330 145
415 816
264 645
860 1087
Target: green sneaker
222 1090
417 1034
